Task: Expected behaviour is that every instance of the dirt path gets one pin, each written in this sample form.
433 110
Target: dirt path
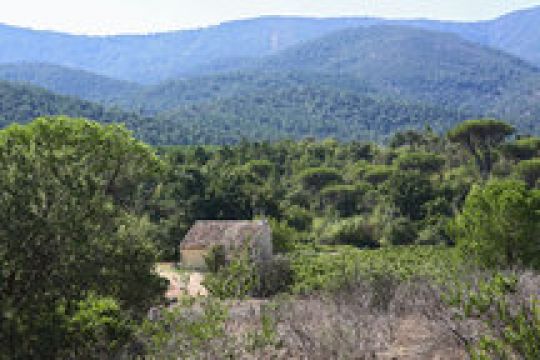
181 283
418 338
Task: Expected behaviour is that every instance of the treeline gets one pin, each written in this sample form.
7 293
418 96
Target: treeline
354 193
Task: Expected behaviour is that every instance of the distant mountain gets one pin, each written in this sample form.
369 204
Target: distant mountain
156 57
23 103
415 64
382 65
233 45
71 82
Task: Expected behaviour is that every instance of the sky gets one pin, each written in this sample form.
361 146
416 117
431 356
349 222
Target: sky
106 17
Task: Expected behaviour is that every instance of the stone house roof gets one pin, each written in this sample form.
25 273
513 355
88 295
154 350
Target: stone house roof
230 233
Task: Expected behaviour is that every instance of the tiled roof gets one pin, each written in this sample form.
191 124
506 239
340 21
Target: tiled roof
229 233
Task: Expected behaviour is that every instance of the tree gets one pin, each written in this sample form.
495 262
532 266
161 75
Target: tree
318 178
480 137
422 161
500 224
529 171
410 191
522 149
71 222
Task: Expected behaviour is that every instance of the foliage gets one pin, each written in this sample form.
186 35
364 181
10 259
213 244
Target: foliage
23 103
512 323
328 267
71 221
529 171
284 237
183 331
97 329
216 258
236 280
354 231
480 137
499 224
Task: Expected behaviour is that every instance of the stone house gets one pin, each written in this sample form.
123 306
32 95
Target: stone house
231 234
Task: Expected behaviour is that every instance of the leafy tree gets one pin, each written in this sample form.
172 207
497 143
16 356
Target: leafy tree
317 178
522 149
529 171
422 161
409 191
480 138
71 222
500 224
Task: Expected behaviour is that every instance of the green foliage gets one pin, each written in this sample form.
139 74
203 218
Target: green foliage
499 224
71 221
328 267
512 325
215 259
421 161
182 331
284 237
410 191
355 231
480 137
236 280
522 149
377 174
318 178
529 171
22 104
97 329
399 231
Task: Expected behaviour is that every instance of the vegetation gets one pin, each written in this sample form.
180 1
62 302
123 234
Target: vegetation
75 249
360 227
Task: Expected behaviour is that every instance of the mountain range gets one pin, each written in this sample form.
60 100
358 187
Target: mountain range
276 77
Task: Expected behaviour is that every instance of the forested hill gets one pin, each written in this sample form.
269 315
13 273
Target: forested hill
297 111
68 81
433 78
22 103
416 64
157 57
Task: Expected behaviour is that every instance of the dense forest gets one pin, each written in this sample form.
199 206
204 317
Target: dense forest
354 225
22 103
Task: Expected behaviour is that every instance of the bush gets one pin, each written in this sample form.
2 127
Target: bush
511 318
215 259
400 231
500 224
283 236
275 276
355 231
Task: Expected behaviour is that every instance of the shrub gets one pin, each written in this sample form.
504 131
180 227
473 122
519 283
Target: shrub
284 237
215 259
399 231
355 231
500 224
511 318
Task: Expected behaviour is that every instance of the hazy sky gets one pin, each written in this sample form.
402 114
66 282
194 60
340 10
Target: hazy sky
142 16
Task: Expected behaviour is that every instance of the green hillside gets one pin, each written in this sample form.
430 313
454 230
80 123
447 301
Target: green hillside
22 103
297 111
417 64
68 81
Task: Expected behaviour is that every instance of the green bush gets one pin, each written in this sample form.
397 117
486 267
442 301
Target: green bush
215 259
355 231
399 231
512 321
500 225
